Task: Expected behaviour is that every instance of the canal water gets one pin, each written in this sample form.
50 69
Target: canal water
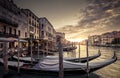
110 71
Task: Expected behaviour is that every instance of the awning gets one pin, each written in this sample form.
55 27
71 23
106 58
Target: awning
2 39
8 39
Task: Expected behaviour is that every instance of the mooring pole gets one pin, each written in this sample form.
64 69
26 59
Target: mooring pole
47 48
38 50
5 58
60 48
72 47
87 59
31 50
79 51
18 54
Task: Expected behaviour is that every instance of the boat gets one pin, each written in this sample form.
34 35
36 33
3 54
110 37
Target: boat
24 59
82 60
69 48
72 59
51 67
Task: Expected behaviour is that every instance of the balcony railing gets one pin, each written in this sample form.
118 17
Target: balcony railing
4 34
9 22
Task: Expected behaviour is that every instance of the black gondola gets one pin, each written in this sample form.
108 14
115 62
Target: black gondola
52 68
82 60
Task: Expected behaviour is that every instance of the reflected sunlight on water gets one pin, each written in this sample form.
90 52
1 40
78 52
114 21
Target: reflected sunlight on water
111 71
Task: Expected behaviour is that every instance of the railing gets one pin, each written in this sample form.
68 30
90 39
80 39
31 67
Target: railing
9 22
4 34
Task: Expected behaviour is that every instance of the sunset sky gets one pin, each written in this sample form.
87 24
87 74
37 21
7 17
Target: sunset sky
77 18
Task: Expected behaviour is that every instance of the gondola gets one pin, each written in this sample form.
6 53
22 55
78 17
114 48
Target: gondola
69 48
24 59
51 67
82 60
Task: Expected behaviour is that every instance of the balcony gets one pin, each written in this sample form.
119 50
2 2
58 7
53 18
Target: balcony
4 34
9 22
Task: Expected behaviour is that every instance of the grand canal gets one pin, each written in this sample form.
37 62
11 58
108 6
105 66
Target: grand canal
111 71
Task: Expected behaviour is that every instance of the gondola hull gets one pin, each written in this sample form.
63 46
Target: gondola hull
67 71
82 60
70 68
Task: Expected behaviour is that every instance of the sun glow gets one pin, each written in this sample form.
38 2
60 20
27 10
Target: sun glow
76 40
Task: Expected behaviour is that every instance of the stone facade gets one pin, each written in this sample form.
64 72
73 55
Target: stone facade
48 33
33 24
106 39
13 22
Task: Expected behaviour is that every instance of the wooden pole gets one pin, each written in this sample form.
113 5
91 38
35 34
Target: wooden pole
60 48
72 47
43 49
47 48
18 54
87 59
38 50
79 51
31 51
5 58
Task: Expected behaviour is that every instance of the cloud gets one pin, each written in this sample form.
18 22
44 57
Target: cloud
98 17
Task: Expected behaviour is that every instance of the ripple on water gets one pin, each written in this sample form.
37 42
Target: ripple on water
110 71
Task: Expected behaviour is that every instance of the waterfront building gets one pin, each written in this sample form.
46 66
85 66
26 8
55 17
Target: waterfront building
107 38
33 24
23 23
117 34
94 40
116 39
33 28
47 33
13 23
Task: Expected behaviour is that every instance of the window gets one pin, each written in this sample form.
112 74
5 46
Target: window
42 26
29 14
25 34
1 45
18 32
38 32
10 30
32 29
29 21
42 34
35 30
15 31
4 29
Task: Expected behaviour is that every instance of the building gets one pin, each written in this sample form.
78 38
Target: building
117 35
23 23
47 33
116 39
13 21
94 40
107 38
33 24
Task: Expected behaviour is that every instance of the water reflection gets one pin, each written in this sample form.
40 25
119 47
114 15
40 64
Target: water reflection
111 71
